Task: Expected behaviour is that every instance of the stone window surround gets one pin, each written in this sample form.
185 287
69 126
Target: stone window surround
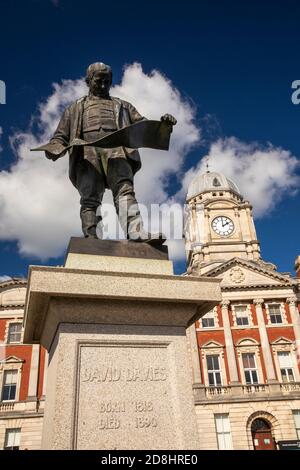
286 347
215 317
249 311
275 427
229 433
6 435
253 348
282 311
210 349
8 364
12 320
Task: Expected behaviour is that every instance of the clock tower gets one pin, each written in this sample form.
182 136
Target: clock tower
219 223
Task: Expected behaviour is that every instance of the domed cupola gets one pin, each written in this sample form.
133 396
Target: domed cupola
211 181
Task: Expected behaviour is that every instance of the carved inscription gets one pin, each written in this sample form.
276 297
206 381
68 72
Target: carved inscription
125 392
113 374
112 421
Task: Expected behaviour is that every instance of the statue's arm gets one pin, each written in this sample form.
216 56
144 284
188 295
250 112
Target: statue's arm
61 135
135 116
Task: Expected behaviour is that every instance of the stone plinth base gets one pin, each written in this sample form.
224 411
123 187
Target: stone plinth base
119 373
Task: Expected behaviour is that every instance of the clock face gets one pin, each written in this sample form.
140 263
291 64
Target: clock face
223 226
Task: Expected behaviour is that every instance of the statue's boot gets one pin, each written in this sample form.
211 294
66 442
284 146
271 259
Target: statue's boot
132 223
89 222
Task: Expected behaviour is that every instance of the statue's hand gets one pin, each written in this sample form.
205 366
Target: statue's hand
169 119
51 156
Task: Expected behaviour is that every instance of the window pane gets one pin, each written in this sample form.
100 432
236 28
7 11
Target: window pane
283 375
275 319
209 362
249 361
208 322
211 379
14 332
274 308
240 309
216 362
212 362
223 431
290 375
9 392
12 437
10 377
219 419
247 377
218 378
9 385
254 377
227 441
285 359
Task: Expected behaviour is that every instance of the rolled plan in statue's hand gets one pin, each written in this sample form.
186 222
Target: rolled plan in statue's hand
145 133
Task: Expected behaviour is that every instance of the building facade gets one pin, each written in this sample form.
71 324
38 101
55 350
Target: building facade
246 350
22 374
244 353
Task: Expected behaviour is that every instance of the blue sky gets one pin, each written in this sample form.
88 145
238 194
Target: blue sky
235 63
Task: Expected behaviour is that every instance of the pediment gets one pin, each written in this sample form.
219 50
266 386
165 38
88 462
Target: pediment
247 342
282 340
11 360
241 273
212 344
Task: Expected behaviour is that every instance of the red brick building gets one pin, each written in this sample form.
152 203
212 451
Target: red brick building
22 374
245 352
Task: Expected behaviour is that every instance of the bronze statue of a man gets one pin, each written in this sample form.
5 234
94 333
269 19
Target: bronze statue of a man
92 169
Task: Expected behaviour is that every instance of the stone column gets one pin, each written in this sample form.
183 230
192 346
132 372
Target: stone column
34 372
266 350
198 386
295 316
233 372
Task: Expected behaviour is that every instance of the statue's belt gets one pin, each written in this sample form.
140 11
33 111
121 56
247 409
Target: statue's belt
150 134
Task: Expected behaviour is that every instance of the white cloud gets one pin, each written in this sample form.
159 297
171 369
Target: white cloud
39 207
264 174
5 278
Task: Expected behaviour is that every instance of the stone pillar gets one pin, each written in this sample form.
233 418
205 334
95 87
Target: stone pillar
265 345
198 386
232 365
295 316
34 372
114 322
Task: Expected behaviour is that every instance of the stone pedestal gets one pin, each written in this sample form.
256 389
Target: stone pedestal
114 323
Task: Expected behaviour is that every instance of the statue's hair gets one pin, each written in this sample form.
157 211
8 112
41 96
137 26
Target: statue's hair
97 66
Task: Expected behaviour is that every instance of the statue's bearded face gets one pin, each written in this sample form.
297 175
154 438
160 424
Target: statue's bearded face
99 84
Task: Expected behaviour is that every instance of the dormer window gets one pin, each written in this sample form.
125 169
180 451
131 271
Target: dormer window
216 182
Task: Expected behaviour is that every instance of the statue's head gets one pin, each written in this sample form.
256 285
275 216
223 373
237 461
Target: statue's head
99 78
